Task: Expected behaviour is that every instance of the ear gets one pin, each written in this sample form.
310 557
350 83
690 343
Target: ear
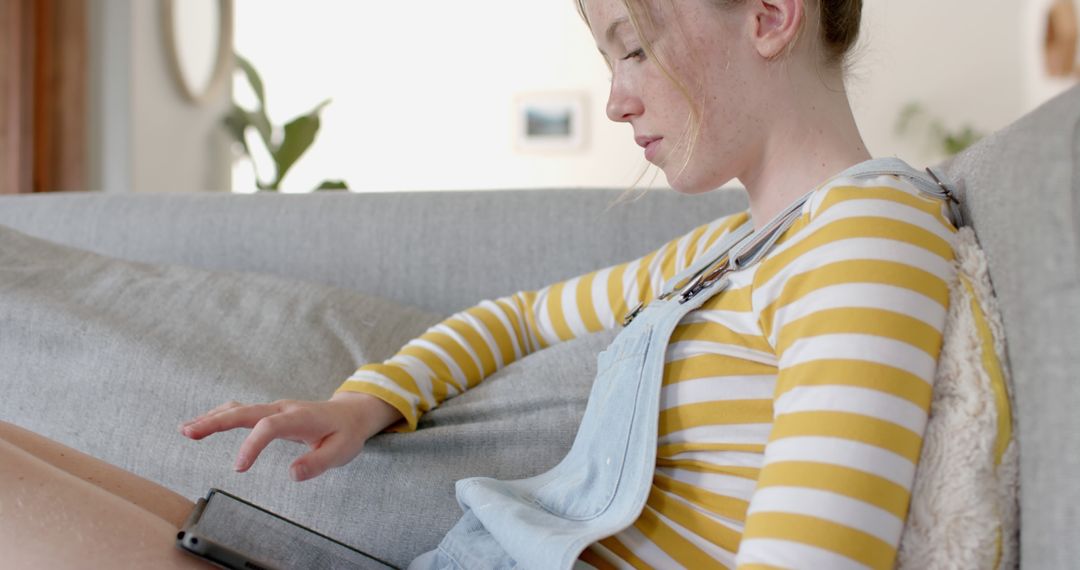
777 24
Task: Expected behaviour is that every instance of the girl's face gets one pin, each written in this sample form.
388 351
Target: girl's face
698 44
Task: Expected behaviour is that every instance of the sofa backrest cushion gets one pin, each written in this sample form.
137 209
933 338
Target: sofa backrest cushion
1020 190
439 251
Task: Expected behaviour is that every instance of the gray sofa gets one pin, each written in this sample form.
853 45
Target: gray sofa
286 284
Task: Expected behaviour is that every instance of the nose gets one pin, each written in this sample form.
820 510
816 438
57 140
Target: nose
623 102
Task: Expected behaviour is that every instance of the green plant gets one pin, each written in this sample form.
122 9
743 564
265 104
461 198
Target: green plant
914 116
285 144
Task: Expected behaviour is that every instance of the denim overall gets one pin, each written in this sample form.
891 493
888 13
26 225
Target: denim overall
601 486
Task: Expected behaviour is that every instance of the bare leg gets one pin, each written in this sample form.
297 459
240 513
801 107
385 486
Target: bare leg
53 518
143 493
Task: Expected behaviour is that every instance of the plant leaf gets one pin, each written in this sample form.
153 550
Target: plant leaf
253 78
299 134
239 119
236 123
332 185
261 122
908 115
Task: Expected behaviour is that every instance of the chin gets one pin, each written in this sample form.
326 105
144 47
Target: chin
685 183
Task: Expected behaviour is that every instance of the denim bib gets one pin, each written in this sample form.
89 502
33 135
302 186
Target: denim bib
601 486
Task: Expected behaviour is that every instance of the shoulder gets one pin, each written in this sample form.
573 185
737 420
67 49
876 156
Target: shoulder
879 219
880 197
867 242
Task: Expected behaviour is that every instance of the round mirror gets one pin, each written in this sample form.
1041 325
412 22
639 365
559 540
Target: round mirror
199 38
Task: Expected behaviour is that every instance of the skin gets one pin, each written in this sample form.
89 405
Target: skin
60 508
773 115
335 430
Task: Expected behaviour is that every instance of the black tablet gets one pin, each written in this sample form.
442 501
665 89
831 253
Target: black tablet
233 533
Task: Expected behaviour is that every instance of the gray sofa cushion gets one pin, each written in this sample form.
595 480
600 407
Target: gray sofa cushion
108 356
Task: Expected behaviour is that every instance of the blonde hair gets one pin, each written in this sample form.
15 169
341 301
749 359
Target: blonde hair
839 20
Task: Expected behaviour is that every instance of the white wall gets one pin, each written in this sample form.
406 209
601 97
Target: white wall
144 135
423 90
960 58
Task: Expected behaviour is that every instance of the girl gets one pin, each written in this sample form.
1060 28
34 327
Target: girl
792 387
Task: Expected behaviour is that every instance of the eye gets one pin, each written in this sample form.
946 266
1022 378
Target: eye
638 54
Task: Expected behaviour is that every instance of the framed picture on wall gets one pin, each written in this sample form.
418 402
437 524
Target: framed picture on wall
549 122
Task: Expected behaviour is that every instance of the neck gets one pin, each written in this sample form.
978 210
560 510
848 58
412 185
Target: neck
813 138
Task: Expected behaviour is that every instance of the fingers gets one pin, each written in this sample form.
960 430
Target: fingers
295 425
228 416
334 451
335 431
227 405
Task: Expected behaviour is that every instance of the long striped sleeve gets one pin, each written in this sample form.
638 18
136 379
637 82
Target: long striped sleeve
853 303
467 347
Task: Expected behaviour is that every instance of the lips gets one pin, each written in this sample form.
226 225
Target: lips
650 144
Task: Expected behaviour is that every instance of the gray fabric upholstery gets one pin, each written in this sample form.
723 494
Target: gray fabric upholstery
108 356
439 251
1022 195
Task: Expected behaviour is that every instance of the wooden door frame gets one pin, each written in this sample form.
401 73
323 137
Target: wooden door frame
16 97
43 95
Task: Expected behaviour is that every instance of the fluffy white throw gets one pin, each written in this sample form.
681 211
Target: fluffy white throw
964 506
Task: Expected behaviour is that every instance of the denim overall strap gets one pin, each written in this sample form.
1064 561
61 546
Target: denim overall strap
934 185
731 241
933 182
601 486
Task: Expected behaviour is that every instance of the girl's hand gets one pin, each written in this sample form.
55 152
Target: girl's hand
335 430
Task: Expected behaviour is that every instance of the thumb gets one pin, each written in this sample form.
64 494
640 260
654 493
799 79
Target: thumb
334 451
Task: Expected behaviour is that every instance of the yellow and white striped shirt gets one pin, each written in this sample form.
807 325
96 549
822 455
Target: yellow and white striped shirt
793 404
